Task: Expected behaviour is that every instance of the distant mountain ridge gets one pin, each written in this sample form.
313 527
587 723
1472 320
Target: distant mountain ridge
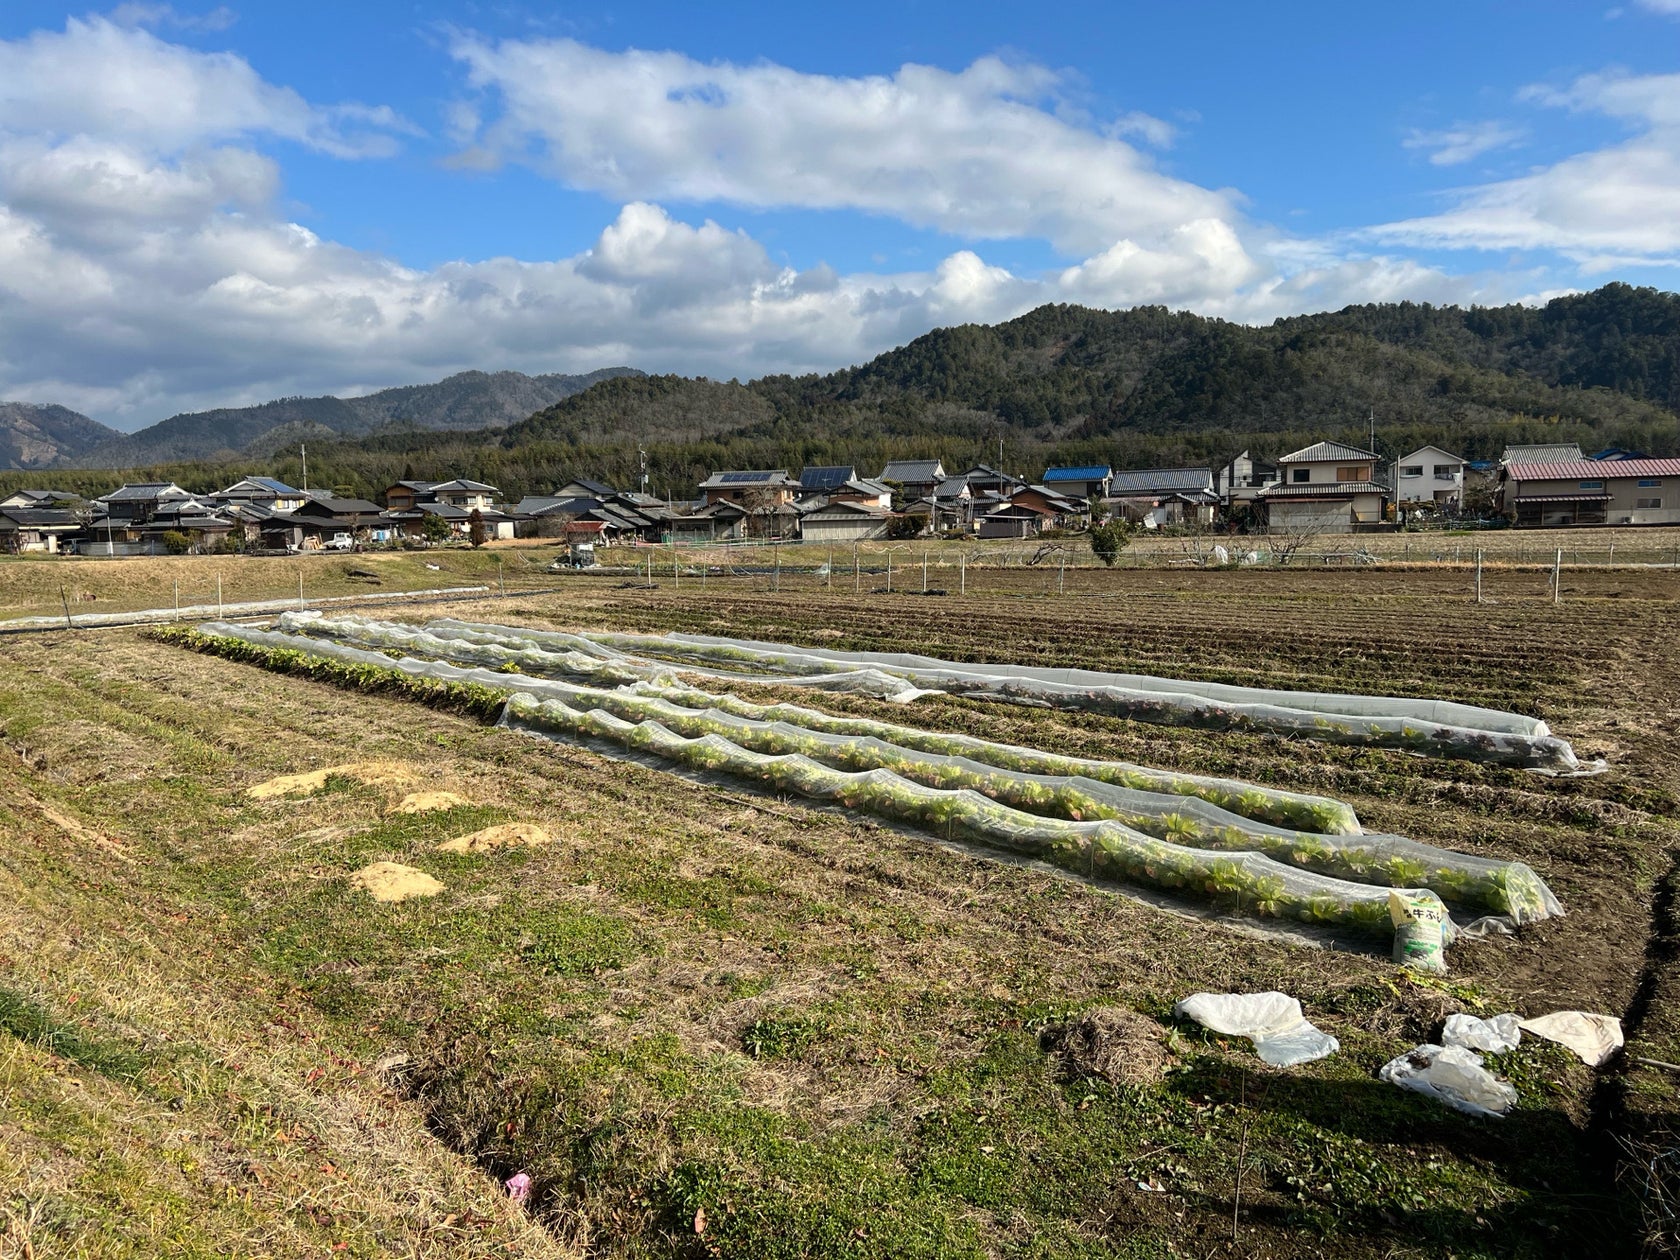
464 401
39 435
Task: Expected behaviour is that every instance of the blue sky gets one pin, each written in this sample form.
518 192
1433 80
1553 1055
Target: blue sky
211 205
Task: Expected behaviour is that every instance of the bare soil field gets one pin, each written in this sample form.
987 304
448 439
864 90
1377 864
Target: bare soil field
705 1021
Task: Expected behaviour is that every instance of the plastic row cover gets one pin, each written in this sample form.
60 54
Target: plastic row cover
1436 727
1509 888
1244 882
525 650
1376 859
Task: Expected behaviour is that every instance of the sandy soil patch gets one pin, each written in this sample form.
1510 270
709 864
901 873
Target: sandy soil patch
504 835
392 881
368 773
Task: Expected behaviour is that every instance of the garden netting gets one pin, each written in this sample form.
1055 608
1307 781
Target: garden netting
1099 828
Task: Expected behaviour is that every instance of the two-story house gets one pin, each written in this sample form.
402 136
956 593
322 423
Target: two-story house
1592 492
1429 475
1326 488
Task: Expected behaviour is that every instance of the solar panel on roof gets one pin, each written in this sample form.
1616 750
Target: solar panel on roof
740 478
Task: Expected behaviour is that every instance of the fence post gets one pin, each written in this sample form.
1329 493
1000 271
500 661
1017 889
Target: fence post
65 600
924 572
218 597
830 582
300 590
857 579
1557 571
1478 575
889 572
501 586
1061 573
1612 555
962 574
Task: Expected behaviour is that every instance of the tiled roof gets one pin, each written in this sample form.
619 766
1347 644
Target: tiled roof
1544 453
913 470
1326 452
1321 489
461 483
1091 472
1593 470
594 487
144 491
1152 481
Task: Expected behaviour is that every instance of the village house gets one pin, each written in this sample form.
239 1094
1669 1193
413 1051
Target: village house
1089 481
1326 488
1592 492
984 479
1241 479
1160 496
1429 475
25 529
754 489
264 492
917 477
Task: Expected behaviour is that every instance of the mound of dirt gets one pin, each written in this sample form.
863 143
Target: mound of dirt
1111 1043
392 881
368 773
427 802
503 835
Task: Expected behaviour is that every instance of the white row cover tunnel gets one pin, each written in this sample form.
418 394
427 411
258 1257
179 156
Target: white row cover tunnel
1244 848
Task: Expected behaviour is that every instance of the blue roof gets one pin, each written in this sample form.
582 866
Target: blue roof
1093 472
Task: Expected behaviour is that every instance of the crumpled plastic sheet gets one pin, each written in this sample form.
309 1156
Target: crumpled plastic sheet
1594 1038
1273 1021
1437 727
1490 1036
1455 1076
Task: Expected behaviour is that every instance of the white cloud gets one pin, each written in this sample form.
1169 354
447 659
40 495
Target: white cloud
1668 8
1611 205
975 153
123 83
1463 142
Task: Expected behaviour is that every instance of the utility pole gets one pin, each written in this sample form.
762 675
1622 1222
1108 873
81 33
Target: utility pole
303 451
641 454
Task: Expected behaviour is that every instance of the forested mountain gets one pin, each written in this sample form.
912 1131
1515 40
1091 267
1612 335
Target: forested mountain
1065 383
465 401
35 435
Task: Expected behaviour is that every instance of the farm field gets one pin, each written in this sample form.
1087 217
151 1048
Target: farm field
710 1022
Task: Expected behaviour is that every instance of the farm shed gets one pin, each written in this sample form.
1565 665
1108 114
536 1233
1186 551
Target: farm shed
1010 521
843 523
